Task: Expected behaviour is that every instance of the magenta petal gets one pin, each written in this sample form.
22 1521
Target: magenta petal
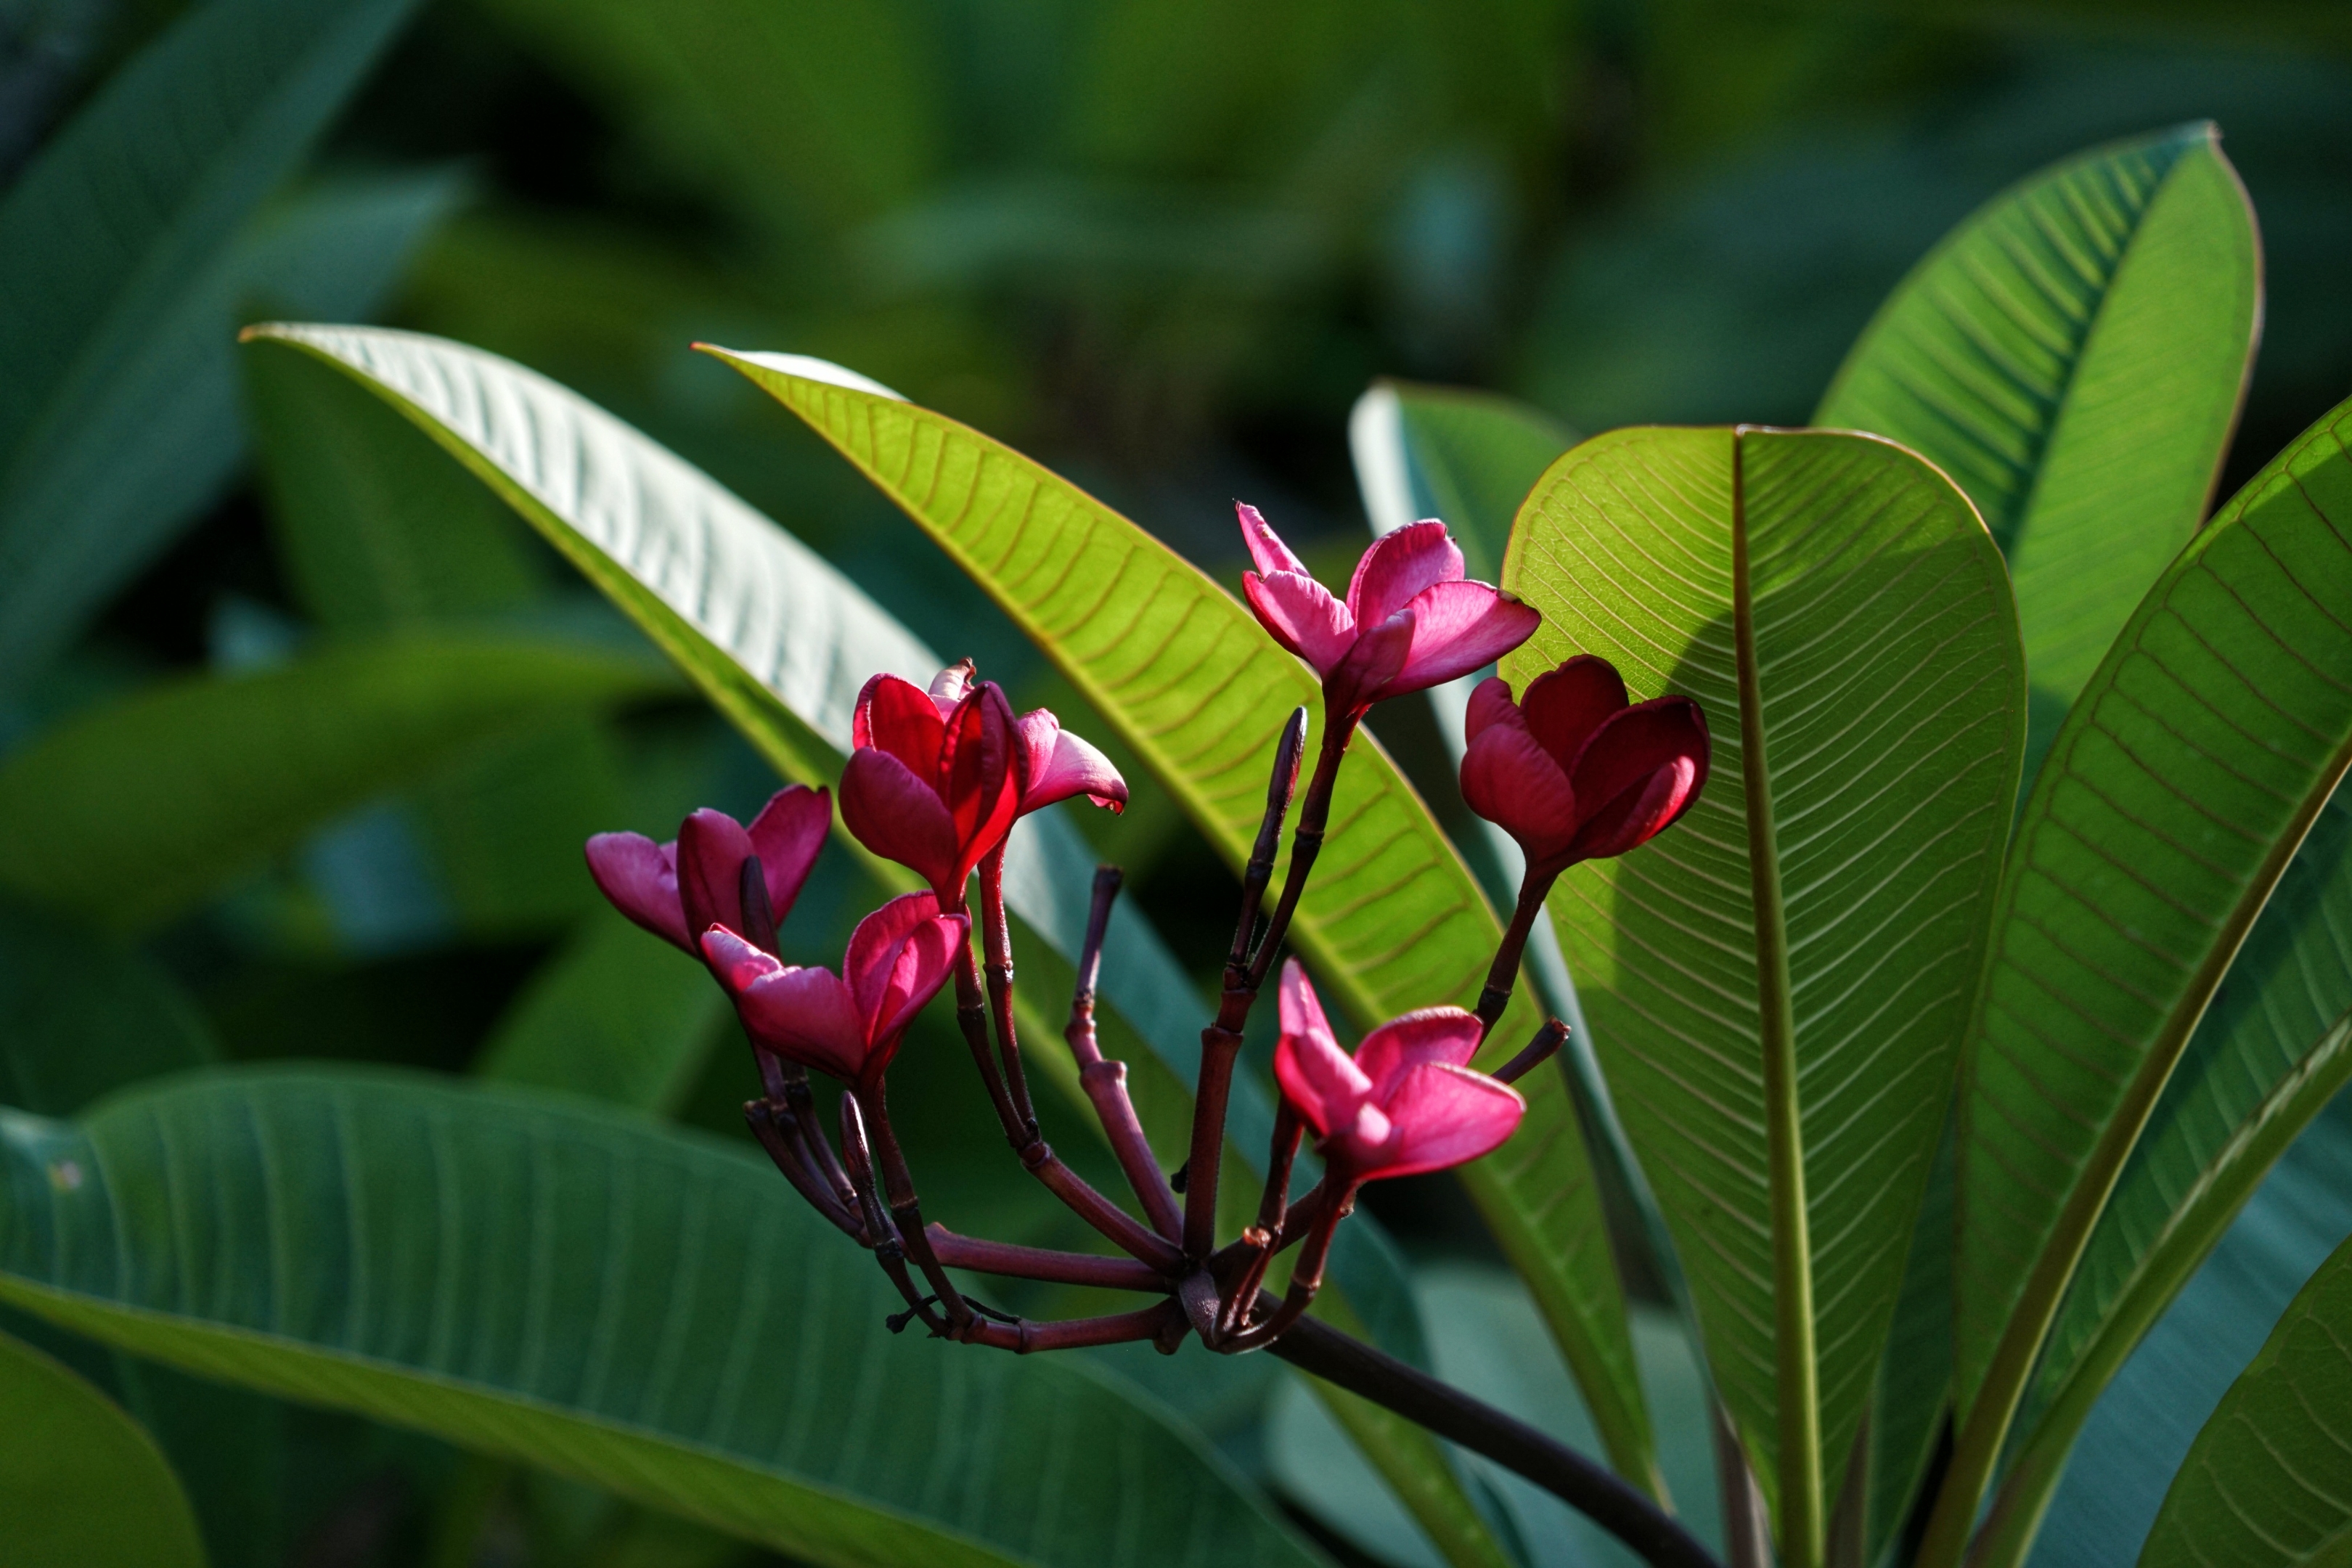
1490 703
1442 1115
1513 783
897 815
1459 627
900 717
1302 615
1060 765
1266 546
1618 774
873 947
786 835
1317 1077
1369 671
738 964
925 958
1398 567
1563 705
1445 1034
805 1015
712 849
641 879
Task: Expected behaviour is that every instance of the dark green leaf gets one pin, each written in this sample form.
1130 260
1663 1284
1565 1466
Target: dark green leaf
2269 1482
118 276
80 1485
82 1015
541 1280
1775 983
128 813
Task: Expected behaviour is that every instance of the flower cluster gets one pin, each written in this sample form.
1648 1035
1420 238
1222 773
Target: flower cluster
935 781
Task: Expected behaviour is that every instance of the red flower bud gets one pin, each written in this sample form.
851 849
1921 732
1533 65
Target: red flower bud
1574 772
1406 1103
1409 622
696 880
849 1026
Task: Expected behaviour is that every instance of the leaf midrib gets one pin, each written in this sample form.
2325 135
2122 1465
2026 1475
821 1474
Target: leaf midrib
1796 1374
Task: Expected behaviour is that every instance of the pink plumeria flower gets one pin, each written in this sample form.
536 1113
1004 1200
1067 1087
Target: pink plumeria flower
1406 1103
938 775
1573 771
1410 621
848 1025
696 880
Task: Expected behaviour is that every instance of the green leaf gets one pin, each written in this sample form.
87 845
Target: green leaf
130 813
2073 356
2270 1052
541 1280
2269 1482
1197 689
1775 985
80 1485
79 1015
118 272
612 1016
2172 801
779 642
1911 1404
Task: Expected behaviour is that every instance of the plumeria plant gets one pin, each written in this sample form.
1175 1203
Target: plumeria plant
1895 940
935 781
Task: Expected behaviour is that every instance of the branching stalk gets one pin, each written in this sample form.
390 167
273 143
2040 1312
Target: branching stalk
1104 1082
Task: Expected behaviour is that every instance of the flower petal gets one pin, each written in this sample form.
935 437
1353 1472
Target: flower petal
1490 704
950 686
1459 627
786 835
1301 614
1369 671
1317 1077
1266 546
898 717
925 960
1398 567
1565 705
1442 1116
899 817
1638 772
874 946
641 879
1446 1035
979 775
1057 765
1513 783
802 1015
712 849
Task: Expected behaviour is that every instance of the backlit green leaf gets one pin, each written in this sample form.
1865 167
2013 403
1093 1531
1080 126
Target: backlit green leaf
1392 919
2073 356
2152 839
541 1280
1775 984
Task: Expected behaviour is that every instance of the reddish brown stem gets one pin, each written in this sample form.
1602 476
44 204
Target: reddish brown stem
983 1256
996 933
1306 1278
972 1017
906 1208
1257 1243
888 1251
1123 1230
1504 974
766 1120
1539 1050
1260 870
1106 1082
788 1090
1024 1337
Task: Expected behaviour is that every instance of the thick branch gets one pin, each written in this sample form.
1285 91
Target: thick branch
1003 1257
1601 1496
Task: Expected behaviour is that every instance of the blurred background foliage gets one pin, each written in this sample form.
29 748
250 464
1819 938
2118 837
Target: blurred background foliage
1161 245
